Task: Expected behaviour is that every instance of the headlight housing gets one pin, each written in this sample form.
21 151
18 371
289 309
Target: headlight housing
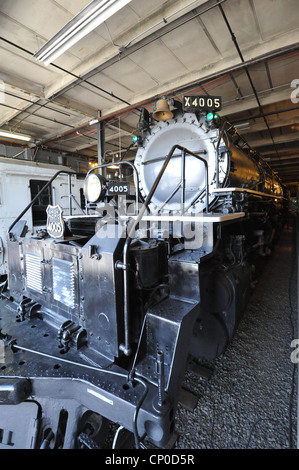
94 187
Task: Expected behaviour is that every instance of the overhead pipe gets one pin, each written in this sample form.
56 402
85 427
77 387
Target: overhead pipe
234 39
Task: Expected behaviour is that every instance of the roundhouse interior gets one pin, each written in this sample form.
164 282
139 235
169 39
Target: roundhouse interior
149 166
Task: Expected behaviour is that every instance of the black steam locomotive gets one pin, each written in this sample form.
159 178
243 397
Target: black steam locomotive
103 310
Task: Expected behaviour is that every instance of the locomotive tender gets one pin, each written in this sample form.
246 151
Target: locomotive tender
103 311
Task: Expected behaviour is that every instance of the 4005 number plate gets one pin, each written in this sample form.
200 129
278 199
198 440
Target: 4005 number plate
193 103
117 188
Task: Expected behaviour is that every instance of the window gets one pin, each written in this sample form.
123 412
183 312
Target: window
39 214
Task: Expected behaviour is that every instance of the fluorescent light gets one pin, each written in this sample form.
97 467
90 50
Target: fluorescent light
93 121
86 21
243 125
15 136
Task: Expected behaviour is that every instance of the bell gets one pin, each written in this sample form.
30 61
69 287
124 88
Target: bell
162 111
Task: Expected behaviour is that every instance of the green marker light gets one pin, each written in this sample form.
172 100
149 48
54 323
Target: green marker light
209 116
137 139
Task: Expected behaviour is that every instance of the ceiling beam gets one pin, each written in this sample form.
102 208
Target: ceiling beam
93 141
12 113
266 97
76 106
224 66
34 92
14 103
235 67
22 84
270 99
250 116
125 128
151 25
282 157
281 148
285 167
289 172
273 124
288 41
281 139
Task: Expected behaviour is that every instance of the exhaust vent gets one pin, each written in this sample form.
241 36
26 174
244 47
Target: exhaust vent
33 272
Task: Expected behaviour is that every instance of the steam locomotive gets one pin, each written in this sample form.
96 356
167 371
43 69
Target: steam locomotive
103 310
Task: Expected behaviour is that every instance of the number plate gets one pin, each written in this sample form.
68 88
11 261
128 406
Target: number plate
202 103
117 188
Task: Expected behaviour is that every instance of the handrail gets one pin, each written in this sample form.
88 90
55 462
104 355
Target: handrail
40 192
126 347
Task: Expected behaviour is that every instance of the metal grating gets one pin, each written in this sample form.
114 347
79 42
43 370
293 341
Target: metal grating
64 281
33 272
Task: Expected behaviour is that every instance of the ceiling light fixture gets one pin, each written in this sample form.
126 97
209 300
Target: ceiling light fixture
10 135
93 121
86 21
242 125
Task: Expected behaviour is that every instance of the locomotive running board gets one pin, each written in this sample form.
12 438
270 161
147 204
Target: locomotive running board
210 217
245 190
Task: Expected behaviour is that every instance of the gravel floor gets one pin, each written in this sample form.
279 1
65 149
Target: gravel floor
251 399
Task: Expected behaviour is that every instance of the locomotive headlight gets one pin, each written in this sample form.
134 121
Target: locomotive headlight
94 187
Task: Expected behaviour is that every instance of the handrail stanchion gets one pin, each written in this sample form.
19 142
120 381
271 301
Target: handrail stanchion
70 195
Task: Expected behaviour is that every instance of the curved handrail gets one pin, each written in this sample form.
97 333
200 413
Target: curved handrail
126 348
71 173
